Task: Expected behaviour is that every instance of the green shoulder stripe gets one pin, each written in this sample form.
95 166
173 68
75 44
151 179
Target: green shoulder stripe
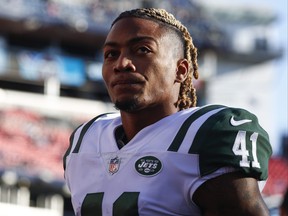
81 136
70 146
175 145
83 131
233 138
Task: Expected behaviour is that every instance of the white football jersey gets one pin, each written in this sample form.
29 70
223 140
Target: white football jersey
158 171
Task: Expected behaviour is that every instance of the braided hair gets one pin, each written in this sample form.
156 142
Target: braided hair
187 96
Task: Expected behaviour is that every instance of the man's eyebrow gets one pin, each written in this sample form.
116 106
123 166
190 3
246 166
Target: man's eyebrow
131 41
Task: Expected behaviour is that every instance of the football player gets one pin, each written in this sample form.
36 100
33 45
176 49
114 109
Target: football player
161 154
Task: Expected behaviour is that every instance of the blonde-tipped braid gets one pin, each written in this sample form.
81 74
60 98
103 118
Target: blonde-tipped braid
187 95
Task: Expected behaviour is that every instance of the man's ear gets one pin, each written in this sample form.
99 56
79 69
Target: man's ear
182 70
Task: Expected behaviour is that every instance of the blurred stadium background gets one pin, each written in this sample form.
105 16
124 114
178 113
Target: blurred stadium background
50 82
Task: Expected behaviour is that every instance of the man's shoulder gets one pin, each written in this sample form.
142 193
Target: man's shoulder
232 137
96 124
105 118
99 121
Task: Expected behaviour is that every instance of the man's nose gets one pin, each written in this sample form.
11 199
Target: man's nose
124 64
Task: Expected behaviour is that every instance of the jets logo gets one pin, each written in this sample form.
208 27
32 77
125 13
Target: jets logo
148 166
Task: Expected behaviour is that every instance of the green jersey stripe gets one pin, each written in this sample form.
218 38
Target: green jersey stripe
70 146
175 145
84 130
80 138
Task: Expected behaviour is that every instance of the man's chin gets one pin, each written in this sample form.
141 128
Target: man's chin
127 106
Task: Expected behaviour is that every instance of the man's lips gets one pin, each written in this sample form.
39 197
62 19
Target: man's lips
126 82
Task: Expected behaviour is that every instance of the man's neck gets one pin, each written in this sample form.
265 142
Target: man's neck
133 122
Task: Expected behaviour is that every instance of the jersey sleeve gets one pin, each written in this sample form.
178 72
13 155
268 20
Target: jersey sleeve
233 138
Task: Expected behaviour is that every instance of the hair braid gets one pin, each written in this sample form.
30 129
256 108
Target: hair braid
187 95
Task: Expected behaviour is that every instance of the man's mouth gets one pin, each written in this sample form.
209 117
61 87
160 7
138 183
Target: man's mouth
127 82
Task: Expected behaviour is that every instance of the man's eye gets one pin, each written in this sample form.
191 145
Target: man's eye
143 50
110 54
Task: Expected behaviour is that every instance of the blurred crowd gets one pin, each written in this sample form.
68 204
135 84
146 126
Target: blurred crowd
33 144
97 15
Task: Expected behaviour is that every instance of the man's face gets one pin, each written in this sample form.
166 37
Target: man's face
140 65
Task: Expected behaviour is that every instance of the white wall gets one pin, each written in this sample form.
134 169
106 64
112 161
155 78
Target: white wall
252 89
